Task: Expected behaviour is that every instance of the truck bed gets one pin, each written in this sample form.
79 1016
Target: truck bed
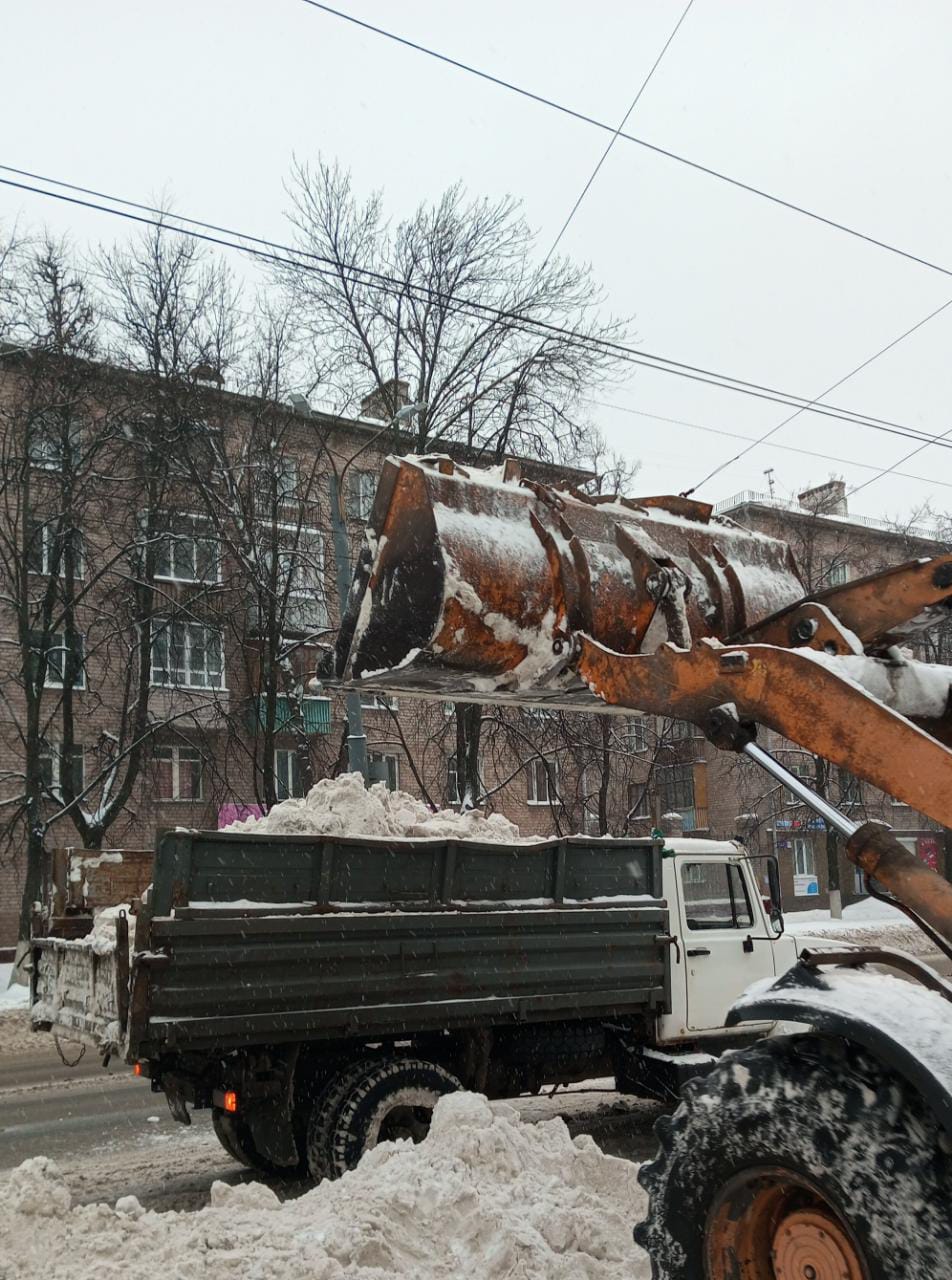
266 939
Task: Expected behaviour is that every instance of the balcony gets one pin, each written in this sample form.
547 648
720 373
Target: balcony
316 714
207 708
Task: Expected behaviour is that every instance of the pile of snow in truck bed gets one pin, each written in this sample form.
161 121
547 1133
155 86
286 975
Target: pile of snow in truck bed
345 807
485 1195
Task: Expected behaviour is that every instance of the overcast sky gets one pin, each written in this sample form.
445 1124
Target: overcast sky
842 107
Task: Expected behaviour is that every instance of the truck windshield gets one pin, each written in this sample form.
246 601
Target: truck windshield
715 896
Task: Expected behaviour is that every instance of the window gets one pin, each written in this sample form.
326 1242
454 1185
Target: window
803 860
187 655
188 552
851 792
286 477
838 573
55 765
800 769
44 547
542 780
451 793
676 785
681 729
46 447
636 733
287 774
178 773
715 896
57 660
360 495
370 701
384 768
638 801
301 576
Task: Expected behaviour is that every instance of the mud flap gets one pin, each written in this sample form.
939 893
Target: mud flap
272 1132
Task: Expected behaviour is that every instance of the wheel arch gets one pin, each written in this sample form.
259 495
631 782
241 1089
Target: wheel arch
842 1007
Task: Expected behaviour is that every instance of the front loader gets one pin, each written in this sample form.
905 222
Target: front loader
825 1154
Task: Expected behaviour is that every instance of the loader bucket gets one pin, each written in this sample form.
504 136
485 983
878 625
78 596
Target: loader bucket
475 583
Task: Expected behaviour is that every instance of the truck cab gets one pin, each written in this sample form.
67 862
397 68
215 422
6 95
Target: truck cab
725 935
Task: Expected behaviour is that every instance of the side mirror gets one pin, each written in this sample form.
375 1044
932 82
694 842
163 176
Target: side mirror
776 894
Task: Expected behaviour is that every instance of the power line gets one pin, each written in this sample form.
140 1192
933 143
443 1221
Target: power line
614 138
786 448
898 463
791 205
839 382
518 322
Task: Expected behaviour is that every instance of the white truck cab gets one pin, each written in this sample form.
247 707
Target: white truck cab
723 936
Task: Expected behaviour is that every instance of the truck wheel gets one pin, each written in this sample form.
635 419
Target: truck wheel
377 1102
235 1136
324 1114
799 1157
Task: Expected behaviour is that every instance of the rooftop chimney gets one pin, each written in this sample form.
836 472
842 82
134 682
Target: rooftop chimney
383 402
826 499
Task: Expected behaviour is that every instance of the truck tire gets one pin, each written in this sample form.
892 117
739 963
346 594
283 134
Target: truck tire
324 1114
235 1136
799 1157
373 1103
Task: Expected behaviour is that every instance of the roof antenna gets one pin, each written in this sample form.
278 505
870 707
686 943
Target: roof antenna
770 481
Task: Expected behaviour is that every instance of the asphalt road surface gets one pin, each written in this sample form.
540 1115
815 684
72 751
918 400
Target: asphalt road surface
112 1136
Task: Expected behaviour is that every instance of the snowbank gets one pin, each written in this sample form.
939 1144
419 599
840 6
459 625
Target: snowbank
869 923
485 1195
15 997
345 807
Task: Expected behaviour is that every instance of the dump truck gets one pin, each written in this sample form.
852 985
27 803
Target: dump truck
319 994
824 1154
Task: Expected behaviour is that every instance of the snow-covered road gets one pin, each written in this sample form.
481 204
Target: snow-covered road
111 1136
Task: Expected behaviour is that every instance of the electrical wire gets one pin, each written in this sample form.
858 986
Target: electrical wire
648 359
786 448
839 382
365 277
614 138
790 205
891 470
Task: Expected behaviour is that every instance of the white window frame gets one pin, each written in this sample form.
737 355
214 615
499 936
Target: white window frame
53 752
44 529
804 856
287 477
804 771
290 785
50 458
162 626
56 661
645 799
361 493
393 764
171 538
176 754
540 771
315 563
838 574
377 701
636 733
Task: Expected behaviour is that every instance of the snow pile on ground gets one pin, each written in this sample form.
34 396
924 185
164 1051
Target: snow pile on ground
345 807
484 1196
15 997
869 923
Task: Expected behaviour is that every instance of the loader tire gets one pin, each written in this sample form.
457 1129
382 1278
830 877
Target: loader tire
799 1156
235 1136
